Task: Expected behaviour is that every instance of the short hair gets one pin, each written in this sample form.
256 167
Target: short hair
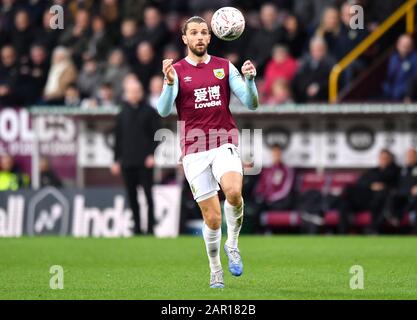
276 145
197 19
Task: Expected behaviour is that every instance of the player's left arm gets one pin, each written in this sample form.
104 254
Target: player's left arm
246 90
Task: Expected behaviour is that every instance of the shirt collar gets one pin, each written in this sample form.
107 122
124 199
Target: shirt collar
194 63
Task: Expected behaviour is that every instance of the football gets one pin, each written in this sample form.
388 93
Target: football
228 23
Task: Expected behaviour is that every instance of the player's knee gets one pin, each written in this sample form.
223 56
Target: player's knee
213 220
234 196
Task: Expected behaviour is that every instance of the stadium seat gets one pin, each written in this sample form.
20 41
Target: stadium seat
275 219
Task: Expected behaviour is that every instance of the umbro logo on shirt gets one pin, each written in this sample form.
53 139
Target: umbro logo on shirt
187 79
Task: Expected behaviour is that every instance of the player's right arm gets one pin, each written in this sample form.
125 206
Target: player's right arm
170 89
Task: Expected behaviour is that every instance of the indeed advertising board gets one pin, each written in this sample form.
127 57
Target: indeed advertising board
95 212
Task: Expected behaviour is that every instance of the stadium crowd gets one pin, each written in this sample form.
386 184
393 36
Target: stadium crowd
293 43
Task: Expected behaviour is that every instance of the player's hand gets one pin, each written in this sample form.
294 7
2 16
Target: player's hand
168 70
249 70
414 190
115 169
150 162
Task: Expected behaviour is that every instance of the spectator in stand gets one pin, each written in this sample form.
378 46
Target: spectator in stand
329 29
155 89
171 52
110 11
72 97
8 10
11 178
103 99
404 198
281 66
280 93
295 35
134 9
10 80
48 178
402 68
36 9
370 193
100 43
346 41
22 35
310 12
264 39
311 81
61 74
105 96
45 35
34 74
146 64
155 30
275 187
129 40
348 38
77 36
75 6
89 78
115 71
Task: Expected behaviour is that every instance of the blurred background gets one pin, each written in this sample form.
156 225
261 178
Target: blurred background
337 115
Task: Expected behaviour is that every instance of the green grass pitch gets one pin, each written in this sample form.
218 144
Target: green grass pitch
275 267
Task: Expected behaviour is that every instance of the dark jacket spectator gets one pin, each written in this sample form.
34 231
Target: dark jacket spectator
129 39
263 40
22 35
45 35
110 11
77 36
34 74
295 35
146 64
329 29
155 30
136 125
404 199
402 68
10 80
311 81
100 43
370 192
48 176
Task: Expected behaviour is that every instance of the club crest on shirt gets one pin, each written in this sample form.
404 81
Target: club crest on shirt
219 73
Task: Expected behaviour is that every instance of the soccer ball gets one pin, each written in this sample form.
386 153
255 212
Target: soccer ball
228 23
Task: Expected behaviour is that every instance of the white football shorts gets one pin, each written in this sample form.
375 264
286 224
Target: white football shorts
204 170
